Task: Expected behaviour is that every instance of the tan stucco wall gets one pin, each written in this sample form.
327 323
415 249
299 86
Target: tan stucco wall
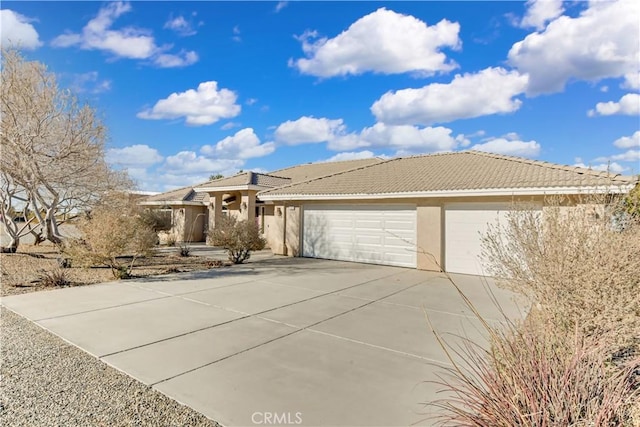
189 223
269 225
429 237
294 222
178 223
277 217
195 219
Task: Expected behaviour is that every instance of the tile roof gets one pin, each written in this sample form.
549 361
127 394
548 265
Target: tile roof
268 180
185 194
179 194
467 170
246 178
287 175
308 171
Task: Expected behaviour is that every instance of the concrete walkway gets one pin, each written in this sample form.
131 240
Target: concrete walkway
277 341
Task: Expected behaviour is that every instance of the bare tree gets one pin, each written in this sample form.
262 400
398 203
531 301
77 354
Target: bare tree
52 146
10 194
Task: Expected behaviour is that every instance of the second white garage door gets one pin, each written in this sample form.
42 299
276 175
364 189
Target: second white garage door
371 234
465 225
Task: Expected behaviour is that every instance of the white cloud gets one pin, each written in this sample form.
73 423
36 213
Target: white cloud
236 34
188 162
600 43
17 30
281 5
308 130
203 106
410 138
632 155
627 156
490 91
230 125
90 82
509 147
404 139
181 26
129 42
628 105
171 60
632 80
612 167
383 42
539 12
245 144
353 155
133 156
632 141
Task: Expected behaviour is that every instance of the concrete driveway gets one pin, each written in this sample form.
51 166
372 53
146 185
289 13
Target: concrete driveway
280 341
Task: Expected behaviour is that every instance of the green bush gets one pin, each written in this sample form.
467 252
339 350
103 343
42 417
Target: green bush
239 238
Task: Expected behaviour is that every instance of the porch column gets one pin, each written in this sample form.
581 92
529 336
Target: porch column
215 209
248 206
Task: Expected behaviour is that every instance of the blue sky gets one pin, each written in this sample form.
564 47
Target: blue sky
188 89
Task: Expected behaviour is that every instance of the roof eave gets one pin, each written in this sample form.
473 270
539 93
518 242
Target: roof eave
171 203
530 191
232 188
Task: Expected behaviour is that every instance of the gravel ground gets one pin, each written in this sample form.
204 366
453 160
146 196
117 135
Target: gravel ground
22 272
47 382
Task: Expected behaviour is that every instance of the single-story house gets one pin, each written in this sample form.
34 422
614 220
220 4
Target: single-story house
426 212
194 209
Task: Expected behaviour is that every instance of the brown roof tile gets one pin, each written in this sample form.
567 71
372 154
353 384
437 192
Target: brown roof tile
468 170
179 194
315 170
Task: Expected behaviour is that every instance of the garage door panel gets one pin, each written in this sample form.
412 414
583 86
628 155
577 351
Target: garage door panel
372 224
396 259
380 234
465 226
369 240
398 226
395 242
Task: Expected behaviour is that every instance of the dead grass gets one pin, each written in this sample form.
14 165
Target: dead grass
533 376
22 272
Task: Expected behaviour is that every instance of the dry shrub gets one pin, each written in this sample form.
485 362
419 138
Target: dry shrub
54 278
112 231
215 263
184 250
533 376
575 360
578 265
157 219
239 238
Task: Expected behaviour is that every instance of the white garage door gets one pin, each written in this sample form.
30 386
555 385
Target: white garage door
465 224
371 234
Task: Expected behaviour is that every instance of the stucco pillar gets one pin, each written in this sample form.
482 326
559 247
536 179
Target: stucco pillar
215 210
248 206
429 239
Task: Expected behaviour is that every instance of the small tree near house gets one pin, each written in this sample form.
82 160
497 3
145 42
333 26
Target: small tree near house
239 238
114 235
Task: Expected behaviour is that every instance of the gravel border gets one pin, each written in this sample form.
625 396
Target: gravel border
46 382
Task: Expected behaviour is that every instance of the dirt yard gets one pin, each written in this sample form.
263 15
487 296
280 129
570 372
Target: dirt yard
23 271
